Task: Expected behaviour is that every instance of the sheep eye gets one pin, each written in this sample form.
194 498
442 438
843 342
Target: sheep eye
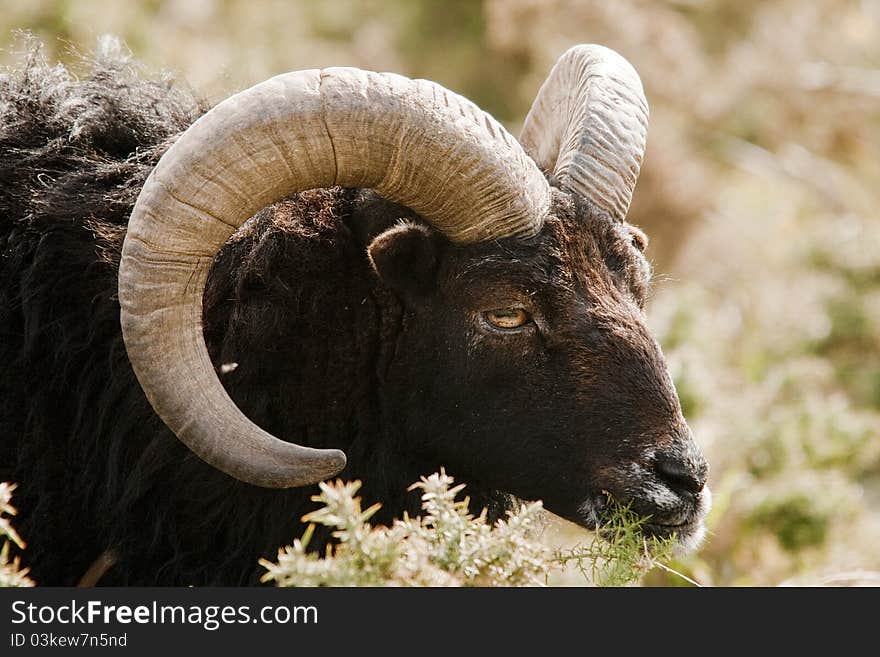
507 318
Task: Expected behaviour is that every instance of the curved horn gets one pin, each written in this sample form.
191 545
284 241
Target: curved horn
588 126
410 140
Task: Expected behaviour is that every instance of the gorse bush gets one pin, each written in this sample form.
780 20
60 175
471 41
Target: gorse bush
446 546
449 546
11 572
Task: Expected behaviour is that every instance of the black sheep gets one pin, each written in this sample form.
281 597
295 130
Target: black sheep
335 318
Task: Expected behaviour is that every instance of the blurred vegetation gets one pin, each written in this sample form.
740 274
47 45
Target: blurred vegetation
758 191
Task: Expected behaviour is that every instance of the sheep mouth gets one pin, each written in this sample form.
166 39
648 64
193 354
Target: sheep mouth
684 523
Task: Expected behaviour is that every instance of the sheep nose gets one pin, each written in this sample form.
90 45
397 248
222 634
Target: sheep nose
682 475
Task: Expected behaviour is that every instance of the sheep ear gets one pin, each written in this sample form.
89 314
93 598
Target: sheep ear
406 258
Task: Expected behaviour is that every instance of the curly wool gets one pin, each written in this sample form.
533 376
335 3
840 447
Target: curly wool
291 301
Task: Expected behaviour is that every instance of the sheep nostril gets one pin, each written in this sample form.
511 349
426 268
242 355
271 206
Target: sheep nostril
680 475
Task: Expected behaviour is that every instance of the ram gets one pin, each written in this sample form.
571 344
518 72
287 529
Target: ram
333 273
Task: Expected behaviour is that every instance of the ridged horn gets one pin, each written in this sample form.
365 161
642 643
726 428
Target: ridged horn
588 126
412 141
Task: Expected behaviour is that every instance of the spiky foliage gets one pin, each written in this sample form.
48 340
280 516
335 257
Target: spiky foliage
11 572
447 546
619 554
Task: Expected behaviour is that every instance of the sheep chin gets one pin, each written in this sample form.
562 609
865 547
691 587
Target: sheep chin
688 535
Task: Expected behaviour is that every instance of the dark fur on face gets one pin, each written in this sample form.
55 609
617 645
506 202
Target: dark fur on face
572 406
334 318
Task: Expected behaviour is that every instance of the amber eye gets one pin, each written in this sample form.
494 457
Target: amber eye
507 318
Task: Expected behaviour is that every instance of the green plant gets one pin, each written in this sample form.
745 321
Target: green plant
796 521
619 554
447 546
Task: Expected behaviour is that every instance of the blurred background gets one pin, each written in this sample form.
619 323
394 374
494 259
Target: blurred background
759 192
